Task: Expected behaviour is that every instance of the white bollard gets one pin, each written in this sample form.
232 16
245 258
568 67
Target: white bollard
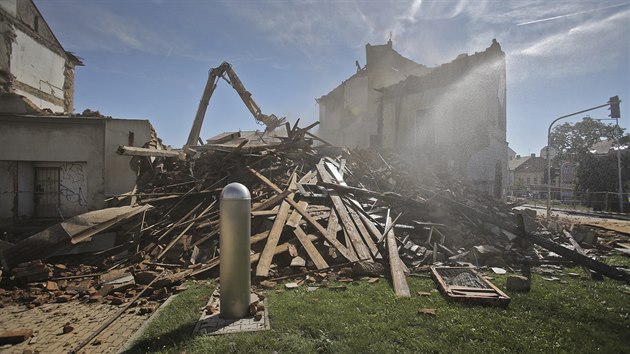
235 245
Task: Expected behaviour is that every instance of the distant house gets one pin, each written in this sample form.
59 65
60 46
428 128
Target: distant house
606 147
53 163
455 112
529 177
514 162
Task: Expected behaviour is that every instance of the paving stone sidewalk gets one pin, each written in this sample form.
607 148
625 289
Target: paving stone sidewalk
47 322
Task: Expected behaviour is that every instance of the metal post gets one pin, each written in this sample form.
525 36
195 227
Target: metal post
561 184
549 173
235 271
619 172
549 160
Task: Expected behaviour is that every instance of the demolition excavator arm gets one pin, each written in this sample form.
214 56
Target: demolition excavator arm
225 69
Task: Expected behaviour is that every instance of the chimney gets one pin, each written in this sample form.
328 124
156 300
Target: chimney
518 157
533 154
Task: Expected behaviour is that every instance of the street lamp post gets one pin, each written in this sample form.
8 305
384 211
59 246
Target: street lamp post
619 172
561 169
549 146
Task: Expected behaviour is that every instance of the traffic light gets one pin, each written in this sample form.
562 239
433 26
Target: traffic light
614 107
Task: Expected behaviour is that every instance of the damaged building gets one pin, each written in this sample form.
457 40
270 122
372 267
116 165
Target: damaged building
33 64
53 163
453 114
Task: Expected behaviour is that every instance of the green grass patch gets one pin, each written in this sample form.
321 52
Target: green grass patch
575 314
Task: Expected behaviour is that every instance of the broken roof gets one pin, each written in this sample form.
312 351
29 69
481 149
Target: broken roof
445 74
532 165
517 161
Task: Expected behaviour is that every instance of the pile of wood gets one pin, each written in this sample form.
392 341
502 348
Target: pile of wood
313 210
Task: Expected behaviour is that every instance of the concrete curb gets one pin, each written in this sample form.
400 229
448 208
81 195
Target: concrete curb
134 337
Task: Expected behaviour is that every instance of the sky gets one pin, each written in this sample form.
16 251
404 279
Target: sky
149 59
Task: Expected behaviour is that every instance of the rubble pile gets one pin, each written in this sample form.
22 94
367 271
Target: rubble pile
314 210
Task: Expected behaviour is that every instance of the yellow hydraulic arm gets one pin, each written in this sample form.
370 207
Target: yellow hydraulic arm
271 121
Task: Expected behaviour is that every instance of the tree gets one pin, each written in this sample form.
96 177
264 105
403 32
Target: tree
598 173
594 173
573 141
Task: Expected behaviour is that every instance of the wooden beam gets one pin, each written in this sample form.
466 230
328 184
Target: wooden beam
15 336
259 237
173 241
361 249
365 233
279 249
294 222
310 249
262 269
138 151
271 201
271 212
371 227
603 268
333 241
399 279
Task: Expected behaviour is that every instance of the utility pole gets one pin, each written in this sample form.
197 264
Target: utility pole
615 114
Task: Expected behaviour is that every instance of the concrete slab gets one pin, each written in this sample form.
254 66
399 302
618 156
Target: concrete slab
212 324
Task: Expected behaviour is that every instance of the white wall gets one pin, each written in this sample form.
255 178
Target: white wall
83 148
119 177
38 67
481 167
58 140
343 115
9 6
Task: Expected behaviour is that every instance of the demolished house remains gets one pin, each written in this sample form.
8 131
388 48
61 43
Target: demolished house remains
315 210
70 165
149 218
453 114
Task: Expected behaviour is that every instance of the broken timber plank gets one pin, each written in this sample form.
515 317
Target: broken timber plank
266 256
173 242
294 222
576 245
318 138
279 249
399 280
179 222
599 267
333 241
333 225
579 250
206 238
361 249
271 201
310 249
271 212
138 151
15 336
332 169
364 233
259 237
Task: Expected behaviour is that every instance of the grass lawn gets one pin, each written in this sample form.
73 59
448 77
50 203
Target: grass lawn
575 314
